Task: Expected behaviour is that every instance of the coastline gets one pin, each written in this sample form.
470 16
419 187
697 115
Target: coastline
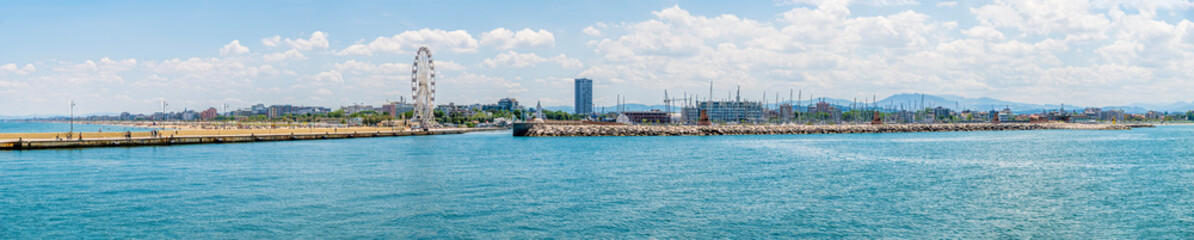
178 125
579 130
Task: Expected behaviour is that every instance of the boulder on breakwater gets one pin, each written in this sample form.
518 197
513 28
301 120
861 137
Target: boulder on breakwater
560 130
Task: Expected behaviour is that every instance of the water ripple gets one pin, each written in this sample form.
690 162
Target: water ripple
1027 184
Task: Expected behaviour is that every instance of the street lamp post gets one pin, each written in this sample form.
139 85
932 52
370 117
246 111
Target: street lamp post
72 118
165 116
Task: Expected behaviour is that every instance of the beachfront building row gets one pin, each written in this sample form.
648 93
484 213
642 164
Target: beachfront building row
283 110
504 104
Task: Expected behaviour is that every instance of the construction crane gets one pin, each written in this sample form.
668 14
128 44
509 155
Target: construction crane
667 102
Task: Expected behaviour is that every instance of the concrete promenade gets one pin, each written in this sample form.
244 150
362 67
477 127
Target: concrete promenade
564 130
8 142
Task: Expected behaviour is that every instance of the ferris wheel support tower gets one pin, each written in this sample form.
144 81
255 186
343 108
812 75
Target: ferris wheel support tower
422 81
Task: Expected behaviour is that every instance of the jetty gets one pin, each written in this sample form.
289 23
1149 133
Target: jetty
573 130
21 141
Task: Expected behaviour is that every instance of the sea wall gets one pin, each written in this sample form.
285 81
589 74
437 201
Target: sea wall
26 144
553 130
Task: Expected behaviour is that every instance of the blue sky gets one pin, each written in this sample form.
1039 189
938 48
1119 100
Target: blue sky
114 56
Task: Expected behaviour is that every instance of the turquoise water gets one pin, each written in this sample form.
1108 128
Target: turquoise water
1025 184
32 127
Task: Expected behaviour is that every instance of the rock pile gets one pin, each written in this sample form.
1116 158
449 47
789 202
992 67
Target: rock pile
551 130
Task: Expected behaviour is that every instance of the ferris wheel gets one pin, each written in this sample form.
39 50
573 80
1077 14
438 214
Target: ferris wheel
422 86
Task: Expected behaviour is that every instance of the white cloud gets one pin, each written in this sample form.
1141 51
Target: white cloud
502 38
210 67
191 65
353 65
984 32
330 76
65 75
233 48
472 87
225 75
458 41
875 3
292 54
318 40
1021 50
104 65
591 31
359 67
271 41
388 70
12 85
883 3
1069 19
1187 30
12 68
521 60
826 49
1149 7
448 66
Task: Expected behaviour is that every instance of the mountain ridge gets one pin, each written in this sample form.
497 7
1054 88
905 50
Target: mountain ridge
958 103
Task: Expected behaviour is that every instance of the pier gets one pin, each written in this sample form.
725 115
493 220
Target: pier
571 130
141 138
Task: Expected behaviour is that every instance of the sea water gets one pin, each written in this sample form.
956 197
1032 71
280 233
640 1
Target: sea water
1066 184
41 127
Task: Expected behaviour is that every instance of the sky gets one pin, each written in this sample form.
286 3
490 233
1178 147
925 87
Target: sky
117 56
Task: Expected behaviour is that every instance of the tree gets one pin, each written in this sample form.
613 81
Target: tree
339 113
822 116
560 115
364 113
850 115
375 119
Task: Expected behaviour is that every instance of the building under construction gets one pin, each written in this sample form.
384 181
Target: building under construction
726 111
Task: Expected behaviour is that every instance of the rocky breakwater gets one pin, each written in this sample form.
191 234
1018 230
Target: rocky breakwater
550 130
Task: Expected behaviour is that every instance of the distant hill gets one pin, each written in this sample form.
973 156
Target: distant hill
987 103
555 108
1170 107
911 100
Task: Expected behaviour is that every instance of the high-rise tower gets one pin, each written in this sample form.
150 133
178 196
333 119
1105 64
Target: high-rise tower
584 96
